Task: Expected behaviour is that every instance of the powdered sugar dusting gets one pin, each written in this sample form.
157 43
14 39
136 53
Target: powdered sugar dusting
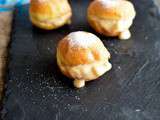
83 39
108 3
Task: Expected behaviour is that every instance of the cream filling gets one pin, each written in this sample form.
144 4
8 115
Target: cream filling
125 35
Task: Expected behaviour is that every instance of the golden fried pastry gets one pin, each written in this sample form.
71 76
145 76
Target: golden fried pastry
83 57
111 17
50 14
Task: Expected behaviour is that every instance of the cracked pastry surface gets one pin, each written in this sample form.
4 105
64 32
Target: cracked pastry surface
83 57
50 14
111 17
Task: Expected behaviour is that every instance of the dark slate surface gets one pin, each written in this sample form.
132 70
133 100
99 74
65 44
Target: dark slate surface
36 90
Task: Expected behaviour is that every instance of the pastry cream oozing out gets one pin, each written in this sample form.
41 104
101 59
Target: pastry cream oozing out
124 35
79 83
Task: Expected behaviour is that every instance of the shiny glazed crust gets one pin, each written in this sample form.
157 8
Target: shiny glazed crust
50 14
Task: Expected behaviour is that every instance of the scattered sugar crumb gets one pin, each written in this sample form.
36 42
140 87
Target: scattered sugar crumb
146 38
137 110
119 67
68 104
77 98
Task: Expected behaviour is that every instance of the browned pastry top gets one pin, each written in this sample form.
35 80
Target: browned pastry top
81 48
52 8
112 9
